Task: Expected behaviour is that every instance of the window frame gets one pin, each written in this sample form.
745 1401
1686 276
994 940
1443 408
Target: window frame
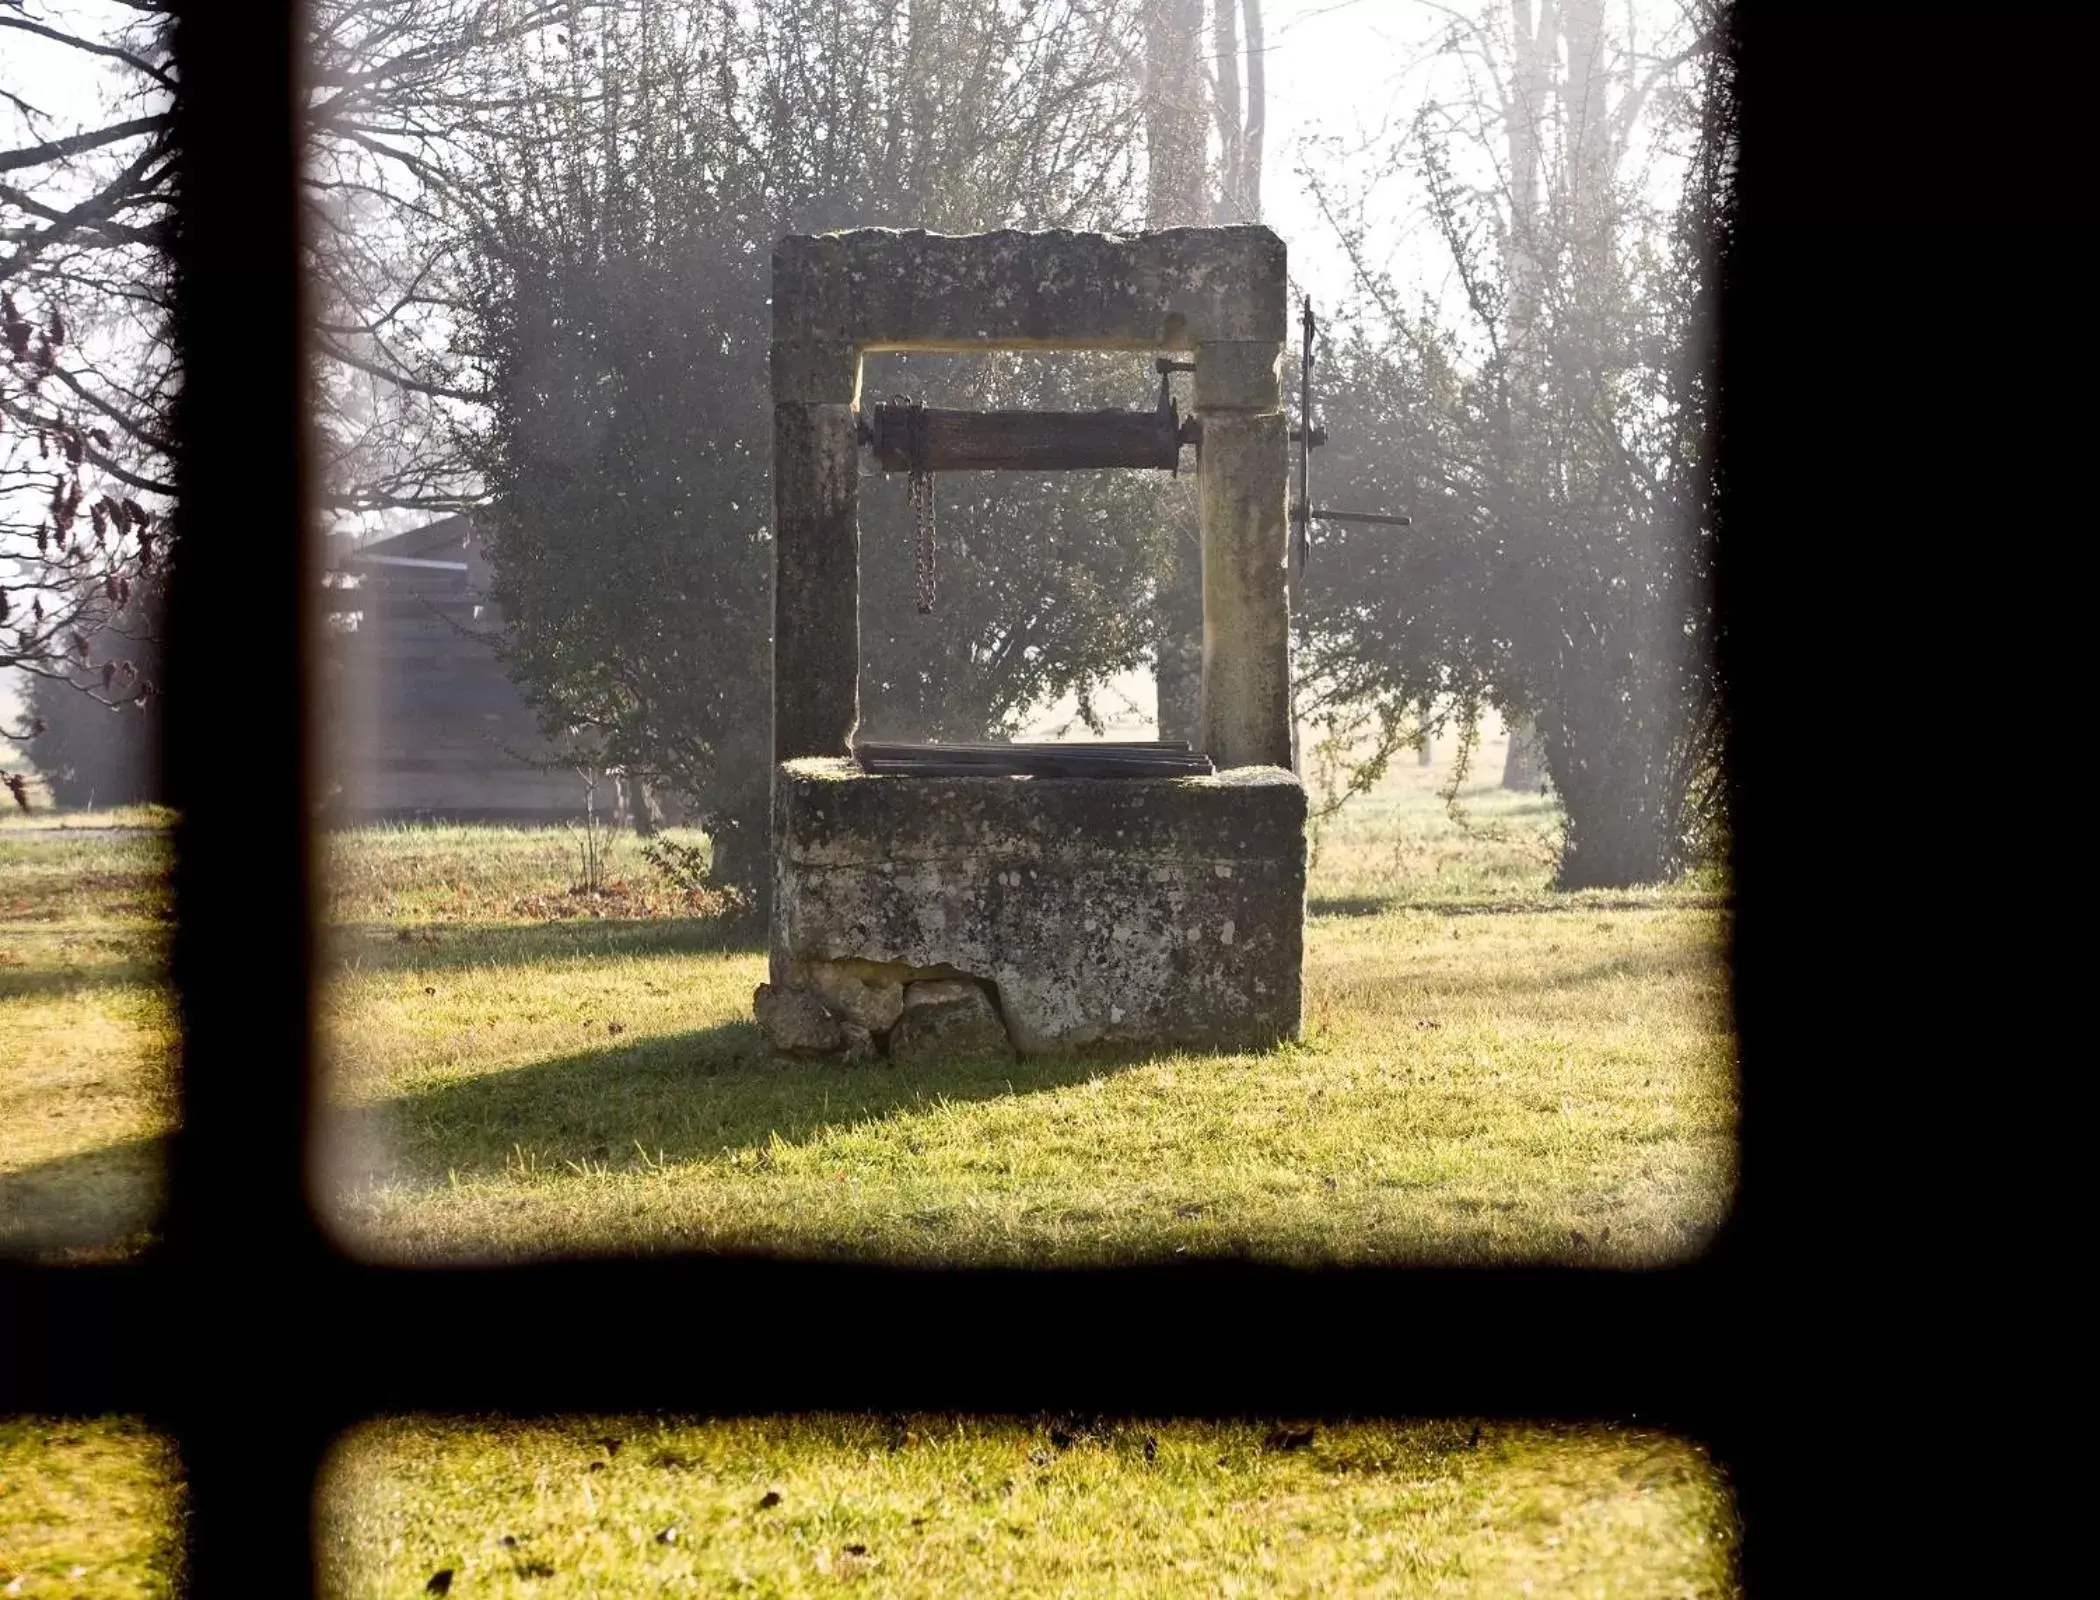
253 1340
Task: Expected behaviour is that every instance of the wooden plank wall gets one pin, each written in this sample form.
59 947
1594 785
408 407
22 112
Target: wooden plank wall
424 722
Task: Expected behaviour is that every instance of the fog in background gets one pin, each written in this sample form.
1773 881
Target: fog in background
538 236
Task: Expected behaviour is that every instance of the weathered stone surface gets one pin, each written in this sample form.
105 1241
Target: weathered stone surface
816 580
1246 607
1165 911
796 1022
1238 376
837 294
945 992
952 1023
860 992
860 1046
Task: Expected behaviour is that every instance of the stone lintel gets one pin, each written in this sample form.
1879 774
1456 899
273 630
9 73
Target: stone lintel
838 294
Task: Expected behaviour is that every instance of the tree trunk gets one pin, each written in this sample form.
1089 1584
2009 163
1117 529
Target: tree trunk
1586 124
637 802
1530 84
1257 116
1177 196
1522 768
1616 837
1176 186
1611 836
1616 851
742 836
1225 55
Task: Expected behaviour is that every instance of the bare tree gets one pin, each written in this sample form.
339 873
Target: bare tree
87 182
88 378
402 96
1550 421
1184 188
620 244
1241 130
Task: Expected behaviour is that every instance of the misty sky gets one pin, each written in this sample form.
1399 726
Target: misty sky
1339 68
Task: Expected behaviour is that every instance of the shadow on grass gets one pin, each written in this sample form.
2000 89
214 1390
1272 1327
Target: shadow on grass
678 1098
43 982
92 1205
1375 905
388 947
64 891
700 1094
1351 905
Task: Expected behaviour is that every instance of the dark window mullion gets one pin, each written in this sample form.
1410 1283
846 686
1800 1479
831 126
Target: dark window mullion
242 1250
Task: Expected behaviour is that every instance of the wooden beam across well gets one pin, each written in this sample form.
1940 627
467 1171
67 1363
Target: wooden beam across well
1022 441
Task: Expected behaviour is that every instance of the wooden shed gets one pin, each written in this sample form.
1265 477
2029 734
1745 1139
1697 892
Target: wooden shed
423 722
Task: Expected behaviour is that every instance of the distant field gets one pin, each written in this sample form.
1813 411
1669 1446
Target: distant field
1491 1071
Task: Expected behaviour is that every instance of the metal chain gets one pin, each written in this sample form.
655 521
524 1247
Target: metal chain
922 508
922 517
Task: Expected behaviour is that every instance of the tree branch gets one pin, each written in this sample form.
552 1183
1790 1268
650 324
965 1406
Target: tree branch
57 149
114 52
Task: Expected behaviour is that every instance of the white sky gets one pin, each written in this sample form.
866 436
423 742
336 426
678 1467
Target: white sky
1335 67
71 91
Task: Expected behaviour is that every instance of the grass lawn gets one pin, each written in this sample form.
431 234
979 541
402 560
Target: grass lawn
87 1031
952 1506
88 1508
1490 1071
920 1505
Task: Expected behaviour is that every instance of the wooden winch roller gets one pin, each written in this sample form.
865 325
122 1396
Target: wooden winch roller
906 437
923 440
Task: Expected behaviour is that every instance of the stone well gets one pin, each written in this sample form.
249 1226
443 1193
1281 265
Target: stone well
1034 913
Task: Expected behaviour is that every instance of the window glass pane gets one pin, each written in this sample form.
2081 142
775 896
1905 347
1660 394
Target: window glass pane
941 1505
89 1506
600 525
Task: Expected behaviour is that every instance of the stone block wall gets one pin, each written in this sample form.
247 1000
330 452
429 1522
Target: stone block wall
1095 911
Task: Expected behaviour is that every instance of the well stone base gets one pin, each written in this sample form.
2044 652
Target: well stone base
1164 911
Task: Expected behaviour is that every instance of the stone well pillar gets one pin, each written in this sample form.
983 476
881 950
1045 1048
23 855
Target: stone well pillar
816 579
1242 490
